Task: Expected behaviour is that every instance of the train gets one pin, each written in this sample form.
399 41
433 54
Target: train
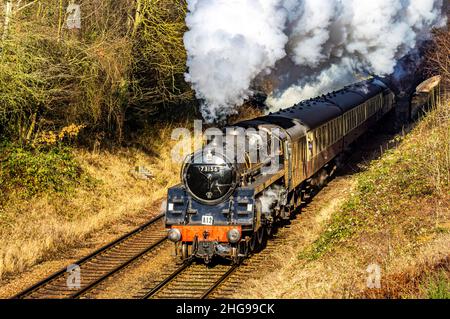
229 199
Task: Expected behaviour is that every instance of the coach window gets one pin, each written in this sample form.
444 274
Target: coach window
332 125
328 133
336 123
358 115
344 124
336 128
347 123
310 147
352 115
352 119
350 126
333 131
319 140
314 143
361 113
324 137
339 127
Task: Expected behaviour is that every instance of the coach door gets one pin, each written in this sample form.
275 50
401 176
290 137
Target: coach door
288 163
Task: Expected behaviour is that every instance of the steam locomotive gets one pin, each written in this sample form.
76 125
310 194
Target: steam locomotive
229 199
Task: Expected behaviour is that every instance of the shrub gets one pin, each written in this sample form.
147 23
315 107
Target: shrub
28 171
438 287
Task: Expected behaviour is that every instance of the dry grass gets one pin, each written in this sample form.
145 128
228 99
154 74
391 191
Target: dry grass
36 229
416 281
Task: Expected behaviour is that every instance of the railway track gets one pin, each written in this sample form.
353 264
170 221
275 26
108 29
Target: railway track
199 281
101 264
193 281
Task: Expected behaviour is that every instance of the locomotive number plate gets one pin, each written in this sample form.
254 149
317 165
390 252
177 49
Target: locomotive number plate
207 220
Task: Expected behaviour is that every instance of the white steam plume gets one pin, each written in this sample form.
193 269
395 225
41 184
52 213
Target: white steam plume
229 43
270 198
303 47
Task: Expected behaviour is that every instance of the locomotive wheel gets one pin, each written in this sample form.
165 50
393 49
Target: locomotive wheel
260 235
184 251
234 255
246 247
253 242
268 229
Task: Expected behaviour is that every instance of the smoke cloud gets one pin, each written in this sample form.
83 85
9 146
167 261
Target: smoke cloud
301 48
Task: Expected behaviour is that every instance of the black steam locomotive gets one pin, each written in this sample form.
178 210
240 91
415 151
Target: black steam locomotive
229 200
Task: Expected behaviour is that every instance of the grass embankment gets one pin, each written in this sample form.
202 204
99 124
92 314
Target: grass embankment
54 198
400 207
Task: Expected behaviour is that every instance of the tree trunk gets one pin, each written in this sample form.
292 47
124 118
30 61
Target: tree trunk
8 13
137 17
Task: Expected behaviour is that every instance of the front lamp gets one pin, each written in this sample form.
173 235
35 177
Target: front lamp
174 235
233 235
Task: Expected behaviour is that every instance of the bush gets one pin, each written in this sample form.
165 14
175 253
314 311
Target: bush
29 171
438 287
